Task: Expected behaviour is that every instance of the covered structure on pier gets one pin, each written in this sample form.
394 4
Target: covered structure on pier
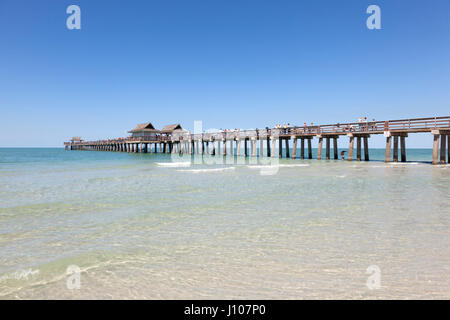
145 131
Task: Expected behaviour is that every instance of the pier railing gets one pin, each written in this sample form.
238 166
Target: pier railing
375 127
411 125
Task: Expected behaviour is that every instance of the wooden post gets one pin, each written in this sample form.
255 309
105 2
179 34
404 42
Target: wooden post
403 148
287 147
261 147
232 147
294 148
245 147
358 148
435 148
280 147
335 148
387 157
213 148
224 147
319 149
448 148
238 147
273 146
395 156
366 148
327 149
268 146
443 146
253 142
309 149
302 148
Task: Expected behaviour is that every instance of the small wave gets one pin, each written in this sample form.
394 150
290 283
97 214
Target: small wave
174 164
279 166
403 163
208 170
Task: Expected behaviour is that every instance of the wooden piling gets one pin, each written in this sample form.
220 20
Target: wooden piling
273 146
443 147
286 140
403 148
294 147
302 148
280 147
435 148
327 148
261 147
366 148
335 149
309 149
395 151
350 147
253 144
245 147
358 148
319 149
387 157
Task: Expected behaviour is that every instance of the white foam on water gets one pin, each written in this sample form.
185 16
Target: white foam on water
277 166
208 170
174 164
403 163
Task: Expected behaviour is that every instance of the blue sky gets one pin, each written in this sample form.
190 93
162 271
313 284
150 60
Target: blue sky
229 63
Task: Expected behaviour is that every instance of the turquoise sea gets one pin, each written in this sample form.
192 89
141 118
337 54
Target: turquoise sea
171 227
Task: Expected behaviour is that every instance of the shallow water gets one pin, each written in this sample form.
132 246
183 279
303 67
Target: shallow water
138 227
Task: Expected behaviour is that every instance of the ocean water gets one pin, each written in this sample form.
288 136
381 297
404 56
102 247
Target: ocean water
170 227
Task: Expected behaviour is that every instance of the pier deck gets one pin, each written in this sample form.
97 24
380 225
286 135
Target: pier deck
186 143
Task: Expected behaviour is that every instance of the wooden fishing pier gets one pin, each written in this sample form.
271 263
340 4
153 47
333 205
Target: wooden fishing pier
173 139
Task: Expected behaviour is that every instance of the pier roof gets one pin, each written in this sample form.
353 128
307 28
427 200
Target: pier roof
171 127
144 127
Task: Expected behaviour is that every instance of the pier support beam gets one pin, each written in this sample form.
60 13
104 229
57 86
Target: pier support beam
327 148
268 146
253 144
261 147
366 148
273 146
443 147
403 148
213 148
319 148
358 148
245 147
387 157
435 148
335 149
302 148
309 149
395 151
238 147
286 140
280 147
294 147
